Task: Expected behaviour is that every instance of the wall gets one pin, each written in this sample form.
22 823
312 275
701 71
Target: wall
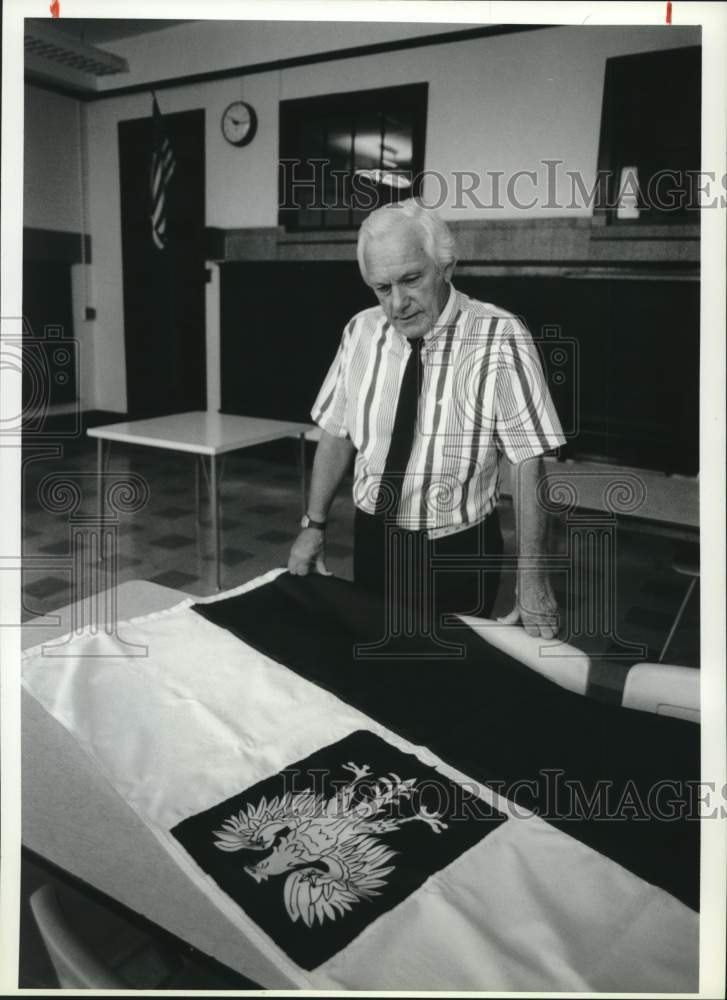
53 200
202 46
504 103
51 178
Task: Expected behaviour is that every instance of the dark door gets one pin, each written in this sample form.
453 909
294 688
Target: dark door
164 300
49 361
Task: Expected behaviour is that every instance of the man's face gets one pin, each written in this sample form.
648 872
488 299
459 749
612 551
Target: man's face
411 288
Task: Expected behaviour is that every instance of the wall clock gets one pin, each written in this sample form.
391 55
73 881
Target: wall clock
239 123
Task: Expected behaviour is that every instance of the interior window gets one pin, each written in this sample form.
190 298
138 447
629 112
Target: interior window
649 150
343 155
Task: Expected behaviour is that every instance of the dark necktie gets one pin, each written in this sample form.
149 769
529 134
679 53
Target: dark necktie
402 435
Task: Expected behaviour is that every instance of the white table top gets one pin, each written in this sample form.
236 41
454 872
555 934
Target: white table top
199 432
664 500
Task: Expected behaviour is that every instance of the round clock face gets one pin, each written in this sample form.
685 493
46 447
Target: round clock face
239 123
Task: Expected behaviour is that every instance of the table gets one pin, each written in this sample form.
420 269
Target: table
667 505
199 433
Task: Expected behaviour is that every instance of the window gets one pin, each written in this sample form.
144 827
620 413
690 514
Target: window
343 155
649 154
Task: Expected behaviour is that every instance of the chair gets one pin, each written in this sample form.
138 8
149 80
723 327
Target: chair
124 957
111 952
75 965
663 689
687 564
563 664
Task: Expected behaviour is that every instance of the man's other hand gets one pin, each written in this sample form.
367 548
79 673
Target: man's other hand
308 554
535 608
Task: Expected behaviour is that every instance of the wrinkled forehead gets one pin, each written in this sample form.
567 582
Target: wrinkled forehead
392 254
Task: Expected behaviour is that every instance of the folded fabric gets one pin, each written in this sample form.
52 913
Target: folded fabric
353 857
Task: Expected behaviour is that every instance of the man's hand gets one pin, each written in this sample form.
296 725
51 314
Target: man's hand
308 554
332 459
535 604
535 607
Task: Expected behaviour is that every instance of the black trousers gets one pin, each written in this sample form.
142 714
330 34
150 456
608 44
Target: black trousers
428 577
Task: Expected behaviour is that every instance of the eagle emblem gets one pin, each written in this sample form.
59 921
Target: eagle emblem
327 848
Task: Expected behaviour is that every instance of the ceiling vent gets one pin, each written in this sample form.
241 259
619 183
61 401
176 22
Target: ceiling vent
55 55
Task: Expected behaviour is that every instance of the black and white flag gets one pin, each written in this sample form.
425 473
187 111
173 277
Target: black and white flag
339 854
162 167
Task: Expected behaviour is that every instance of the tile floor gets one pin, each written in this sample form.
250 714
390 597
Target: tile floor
261 510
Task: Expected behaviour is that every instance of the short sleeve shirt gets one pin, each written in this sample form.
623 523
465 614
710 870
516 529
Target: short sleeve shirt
483 395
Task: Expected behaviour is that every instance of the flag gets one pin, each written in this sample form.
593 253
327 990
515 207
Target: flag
367 825
162 168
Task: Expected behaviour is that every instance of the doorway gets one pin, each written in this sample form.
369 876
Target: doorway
164 295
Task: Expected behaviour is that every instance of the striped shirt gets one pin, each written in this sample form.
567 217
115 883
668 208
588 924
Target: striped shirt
483 395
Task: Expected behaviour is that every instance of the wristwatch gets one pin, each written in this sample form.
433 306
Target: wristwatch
308 522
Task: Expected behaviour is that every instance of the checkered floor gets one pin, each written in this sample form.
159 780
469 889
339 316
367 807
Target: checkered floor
162 542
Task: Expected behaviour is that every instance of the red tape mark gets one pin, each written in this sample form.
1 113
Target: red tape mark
668 11
55 8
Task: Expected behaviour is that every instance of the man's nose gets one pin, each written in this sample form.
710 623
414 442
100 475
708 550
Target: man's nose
399 300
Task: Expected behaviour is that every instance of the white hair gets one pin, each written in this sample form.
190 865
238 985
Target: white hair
436 236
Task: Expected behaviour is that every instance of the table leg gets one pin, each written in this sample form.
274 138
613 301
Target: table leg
215 517
99 487
197 460
303 486
205 476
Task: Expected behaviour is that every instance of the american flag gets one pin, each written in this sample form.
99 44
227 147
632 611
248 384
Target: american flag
162 168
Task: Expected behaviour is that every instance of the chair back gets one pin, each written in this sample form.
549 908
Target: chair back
76 967
664 689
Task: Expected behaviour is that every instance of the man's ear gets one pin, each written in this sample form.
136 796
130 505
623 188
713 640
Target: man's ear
448 270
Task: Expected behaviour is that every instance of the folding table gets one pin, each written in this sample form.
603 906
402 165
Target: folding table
199 433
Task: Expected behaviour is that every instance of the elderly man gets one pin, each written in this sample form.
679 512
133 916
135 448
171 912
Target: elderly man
429 389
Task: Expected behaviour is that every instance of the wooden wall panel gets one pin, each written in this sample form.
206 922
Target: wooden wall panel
626 384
